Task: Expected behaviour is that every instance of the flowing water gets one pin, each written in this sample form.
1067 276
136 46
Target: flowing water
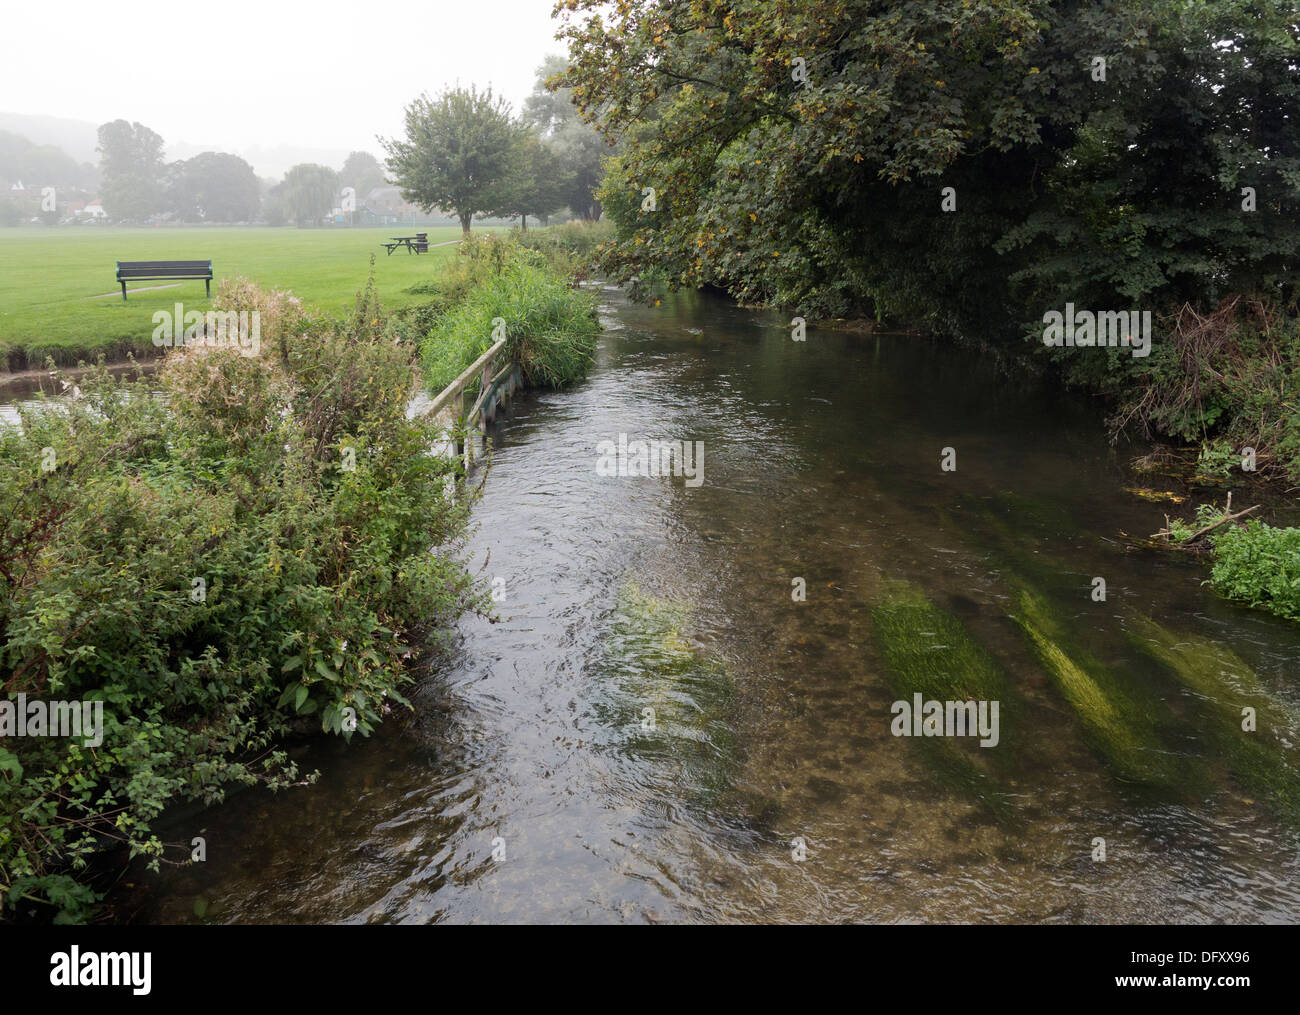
530 785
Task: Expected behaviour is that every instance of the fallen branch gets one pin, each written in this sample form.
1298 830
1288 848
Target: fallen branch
1228 516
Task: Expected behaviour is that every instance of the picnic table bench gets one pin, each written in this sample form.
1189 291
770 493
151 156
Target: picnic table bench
134 270
419 244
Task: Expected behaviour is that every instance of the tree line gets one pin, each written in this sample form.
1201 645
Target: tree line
465 155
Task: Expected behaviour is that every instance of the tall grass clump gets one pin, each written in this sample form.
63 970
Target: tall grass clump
550 326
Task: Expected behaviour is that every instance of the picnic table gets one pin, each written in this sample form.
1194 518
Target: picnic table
417 244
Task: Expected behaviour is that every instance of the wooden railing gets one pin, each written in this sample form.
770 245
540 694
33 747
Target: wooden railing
495 389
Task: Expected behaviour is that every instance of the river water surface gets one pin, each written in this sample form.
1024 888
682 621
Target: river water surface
531 785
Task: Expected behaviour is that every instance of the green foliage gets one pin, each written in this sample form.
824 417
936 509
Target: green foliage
580 151
1259 565
571 248
1119 718
462 153
1216 458
363 173
1206 515
308 192
550 326
131 157
214 187
295 487
824 195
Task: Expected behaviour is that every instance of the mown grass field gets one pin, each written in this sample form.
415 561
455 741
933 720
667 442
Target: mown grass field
49 279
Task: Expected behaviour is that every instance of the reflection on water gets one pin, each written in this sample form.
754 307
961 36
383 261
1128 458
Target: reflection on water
35 389
770 718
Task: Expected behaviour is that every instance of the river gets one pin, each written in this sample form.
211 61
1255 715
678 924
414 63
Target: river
532 785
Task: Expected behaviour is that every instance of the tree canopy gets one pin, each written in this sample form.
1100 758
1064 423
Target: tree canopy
309 192
1096 152
461 154
215 187
362 172
131 158
580 151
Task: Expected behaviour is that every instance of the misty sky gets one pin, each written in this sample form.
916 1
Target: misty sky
235 74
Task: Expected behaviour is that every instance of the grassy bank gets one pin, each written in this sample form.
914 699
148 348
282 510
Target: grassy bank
57 285
497 286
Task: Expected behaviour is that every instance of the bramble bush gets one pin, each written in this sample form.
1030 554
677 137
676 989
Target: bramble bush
296 489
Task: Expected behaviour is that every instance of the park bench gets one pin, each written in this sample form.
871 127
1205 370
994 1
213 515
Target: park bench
135 270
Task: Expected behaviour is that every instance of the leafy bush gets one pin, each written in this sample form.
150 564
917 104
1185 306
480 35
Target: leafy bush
1259 565
297 490
1216 459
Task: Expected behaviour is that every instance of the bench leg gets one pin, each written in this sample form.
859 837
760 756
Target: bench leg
207 284
123 292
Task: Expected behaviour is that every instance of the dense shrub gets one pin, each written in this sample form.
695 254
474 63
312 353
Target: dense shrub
296 489
1259 565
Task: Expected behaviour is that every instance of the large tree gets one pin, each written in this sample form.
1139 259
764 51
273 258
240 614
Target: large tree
215 187
976 166
309 192
539 185
1095 151
131 159
362 172
577 146
461 153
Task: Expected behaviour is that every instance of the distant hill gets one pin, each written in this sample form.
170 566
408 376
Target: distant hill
79 137
76 137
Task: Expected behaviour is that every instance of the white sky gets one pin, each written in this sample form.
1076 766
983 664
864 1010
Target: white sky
237 74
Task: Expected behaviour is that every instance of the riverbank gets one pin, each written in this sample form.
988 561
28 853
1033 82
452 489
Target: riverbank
292 554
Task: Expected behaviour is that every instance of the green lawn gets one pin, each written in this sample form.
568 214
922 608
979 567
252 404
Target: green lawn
49 276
